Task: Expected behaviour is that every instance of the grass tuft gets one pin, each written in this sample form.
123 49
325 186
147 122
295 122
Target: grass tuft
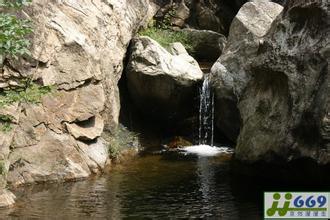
31 94
165 37
120 140
5 123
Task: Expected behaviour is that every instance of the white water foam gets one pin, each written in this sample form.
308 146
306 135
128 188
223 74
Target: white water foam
206 150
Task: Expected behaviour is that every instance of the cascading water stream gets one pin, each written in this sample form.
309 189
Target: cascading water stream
206 113
206 146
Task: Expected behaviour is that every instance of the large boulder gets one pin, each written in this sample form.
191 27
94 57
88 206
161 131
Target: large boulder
229 76
57 158
54 158
206 45
162 85
78 48
286 104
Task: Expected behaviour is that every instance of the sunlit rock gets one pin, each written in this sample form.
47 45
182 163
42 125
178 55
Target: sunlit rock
87 130
229 76
161 85
55 158
7 198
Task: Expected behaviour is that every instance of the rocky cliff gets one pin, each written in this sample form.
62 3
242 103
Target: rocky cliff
78 48
229 73
285 106
215 15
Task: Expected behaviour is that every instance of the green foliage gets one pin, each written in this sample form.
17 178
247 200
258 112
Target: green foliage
114 149
32 93
166 23
14 3
165 37
162 32
13 29
120 140
5 123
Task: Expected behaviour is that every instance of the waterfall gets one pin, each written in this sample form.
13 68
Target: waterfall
206 113
206 146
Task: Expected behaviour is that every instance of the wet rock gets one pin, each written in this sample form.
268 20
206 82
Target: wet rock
285 105
161 84
229 75
178 142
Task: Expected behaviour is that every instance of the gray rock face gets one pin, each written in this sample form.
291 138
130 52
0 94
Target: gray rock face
161 84
215 15
207 45
229 74
285 106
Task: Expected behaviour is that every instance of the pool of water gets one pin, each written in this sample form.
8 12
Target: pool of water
151 186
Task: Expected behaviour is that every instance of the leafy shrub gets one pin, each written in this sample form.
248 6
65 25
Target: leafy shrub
165 37
5 123
162 32
13 29
166 22
32 93
120 140
14 3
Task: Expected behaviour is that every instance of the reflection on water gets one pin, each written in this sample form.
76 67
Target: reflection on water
152 186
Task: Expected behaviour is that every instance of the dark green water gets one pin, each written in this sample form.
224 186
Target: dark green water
148 187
